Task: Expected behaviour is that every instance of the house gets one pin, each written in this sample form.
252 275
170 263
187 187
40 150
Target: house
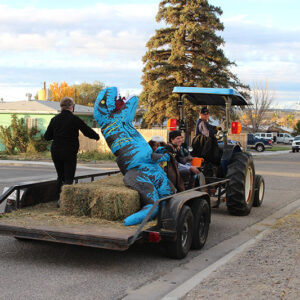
38 113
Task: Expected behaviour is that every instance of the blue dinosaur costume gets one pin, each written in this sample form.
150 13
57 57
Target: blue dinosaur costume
135 158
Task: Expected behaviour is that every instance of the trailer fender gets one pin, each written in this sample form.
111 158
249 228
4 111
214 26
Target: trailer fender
171 209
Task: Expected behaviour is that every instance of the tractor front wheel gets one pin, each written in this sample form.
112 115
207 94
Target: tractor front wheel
259 190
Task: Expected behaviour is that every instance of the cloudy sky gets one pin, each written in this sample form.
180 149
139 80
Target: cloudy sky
83 41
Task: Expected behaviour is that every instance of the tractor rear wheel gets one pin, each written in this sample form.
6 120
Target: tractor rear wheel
240 189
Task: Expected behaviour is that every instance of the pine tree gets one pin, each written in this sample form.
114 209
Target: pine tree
187 52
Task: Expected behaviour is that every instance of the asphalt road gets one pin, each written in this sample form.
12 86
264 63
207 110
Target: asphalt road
36 270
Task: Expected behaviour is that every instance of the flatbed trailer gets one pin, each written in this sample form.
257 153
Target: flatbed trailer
183 219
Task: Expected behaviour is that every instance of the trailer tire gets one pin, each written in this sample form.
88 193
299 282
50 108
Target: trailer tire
259 191
180 248
240 189
201 212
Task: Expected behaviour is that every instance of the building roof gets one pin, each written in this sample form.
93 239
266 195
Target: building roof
40 107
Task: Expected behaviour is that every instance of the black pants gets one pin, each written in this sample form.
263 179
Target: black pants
65 165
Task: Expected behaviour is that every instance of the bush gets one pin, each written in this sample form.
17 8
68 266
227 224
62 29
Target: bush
17 137
7 139
38 145
96 155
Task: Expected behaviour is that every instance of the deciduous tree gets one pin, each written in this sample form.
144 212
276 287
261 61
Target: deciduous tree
86 93
60 90
261 100
186 52
297 128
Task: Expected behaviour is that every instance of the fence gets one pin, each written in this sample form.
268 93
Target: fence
87 144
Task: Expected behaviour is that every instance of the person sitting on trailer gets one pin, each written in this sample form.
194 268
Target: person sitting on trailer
182 162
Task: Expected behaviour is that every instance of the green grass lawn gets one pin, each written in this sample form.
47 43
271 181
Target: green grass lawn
279 148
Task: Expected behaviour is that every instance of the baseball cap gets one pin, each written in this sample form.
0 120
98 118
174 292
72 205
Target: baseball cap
204 110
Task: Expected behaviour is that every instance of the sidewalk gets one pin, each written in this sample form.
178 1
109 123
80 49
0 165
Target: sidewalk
269 269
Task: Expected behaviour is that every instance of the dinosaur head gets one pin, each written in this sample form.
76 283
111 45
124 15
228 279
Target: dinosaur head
108 103
110 106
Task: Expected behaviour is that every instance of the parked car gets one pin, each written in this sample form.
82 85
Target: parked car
296 144
258 144
285 138
265 135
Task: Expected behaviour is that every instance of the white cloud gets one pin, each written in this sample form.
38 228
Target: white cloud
107 42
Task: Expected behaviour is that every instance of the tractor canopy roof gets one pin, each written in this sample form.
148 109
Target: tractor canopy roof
210 96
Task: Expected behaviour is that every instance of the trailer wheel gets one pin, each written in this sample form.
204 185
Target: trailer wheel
201 213
180 248
240 189
259 191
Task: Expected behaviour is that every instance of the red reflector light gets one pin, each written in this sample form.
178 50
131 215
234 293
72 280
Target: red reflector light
172 124
236 128
154 237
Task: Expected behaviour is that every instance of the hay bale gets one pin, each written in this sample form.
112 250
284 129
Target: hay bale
107 198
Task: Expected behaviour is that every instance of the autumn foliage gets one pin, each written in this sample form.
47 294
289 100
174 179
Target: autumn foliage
60 90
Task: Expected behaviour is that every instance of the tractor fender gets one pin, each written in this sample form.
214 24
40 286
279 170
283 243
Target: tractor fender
228 151
172 208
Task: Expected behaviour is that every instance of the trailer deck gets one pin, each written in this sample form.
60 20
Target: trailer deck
40 219
44 222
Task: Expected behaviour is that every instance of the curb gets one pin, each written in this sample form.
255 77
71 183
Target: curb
44 163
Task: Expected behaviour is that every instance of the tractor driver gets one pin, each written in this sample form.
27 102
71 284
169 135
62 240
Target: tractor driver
205 143
203 127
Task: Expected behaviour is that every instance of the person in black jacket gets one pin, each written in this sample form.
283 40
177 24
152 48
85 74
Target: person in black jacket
63 129
204 143
203 127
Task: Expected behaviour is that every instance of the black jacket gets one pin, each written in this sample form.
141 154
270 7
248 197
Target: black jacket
64 130
211 128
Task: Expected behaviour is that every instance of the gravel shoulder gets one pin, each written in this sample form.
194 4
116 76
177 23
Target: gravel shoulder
268 270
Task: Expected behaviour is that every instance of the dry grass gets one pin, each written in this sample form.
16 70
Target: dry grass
47 214
291 219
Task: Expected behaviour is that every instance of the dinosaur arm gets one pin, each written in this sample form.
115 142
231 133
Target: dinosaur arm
158 158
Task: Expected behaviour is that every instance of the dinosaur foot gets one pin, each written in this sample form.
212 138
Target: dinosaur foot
137 218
